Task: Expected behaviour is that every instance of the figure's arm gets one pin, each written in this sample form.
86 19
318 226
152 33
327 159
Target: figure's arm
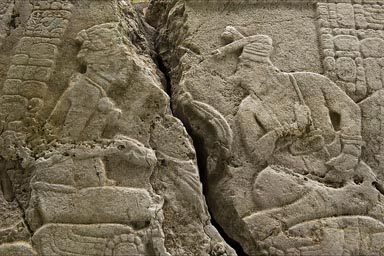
60 111
350 125
132 150
339 102
259 142
236 45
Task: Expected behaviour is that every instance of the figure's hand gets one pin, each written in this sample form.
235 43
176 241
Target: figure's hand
343 162
289 130
114 116
303 116
283 130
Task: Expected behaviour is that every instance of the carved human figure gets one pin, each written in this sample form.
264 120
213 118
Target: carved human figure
99 189
84 110
303 134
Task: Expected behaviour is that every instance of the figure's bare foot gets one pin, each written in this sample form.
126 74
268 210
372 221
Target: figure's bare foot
263 226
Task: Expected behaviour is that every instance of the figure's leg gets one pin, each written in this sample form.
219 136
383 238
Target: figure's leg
273 191
273 188
84 99
319 202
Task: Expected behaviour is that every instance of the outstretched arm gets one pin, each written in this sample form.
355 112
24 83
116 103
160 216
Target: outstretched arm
234 46
57 117
338 102
350 125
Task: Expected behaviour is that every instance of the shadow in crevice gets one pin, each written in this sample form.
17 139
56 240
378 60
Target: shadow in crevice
6 188
379 187
202 156
164 70
234 244
200 149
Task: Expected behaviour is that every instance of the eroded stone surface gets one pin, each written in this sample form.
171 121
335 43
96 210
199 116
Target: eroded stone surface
92 162
284 100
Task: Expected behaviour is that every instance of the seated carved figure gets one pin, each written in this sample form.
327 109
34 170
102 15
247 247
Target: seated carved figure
92 195
84 110
303 135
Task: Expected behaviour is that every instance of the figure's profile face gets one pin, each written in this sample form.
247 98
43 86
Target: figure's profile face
114 69
103 52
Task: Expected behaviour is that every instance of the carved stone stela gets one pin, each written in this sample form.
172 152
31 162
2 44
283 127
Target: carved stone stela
113 118
284 99
92 162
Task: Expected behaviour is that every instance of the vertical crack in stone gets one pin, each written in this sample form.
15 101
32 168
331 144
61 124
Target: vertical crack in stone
13 19
163 69
5 184
201 154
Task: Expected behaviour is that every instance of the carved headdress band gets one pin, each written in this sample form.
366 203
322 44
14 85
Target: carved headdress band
256 48
99 37
100 40
260 48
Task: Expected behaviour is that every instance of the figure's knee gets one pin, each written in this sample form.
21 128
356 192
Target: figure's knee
274 188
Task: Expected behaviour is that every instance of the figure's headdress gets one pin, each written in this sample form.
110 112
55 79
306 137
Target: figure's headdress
259 49
100 42
255 48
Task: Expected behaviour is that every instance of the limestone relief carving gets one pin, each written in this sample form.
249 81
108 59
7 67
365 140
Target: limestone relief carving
22 98
92 161
295 170
205 120
304 133
191 127
84 110
73 192
350 38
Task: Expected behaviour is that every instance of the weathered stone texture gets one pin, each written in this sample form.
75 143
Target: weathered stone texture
92 161
113 118
283 99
